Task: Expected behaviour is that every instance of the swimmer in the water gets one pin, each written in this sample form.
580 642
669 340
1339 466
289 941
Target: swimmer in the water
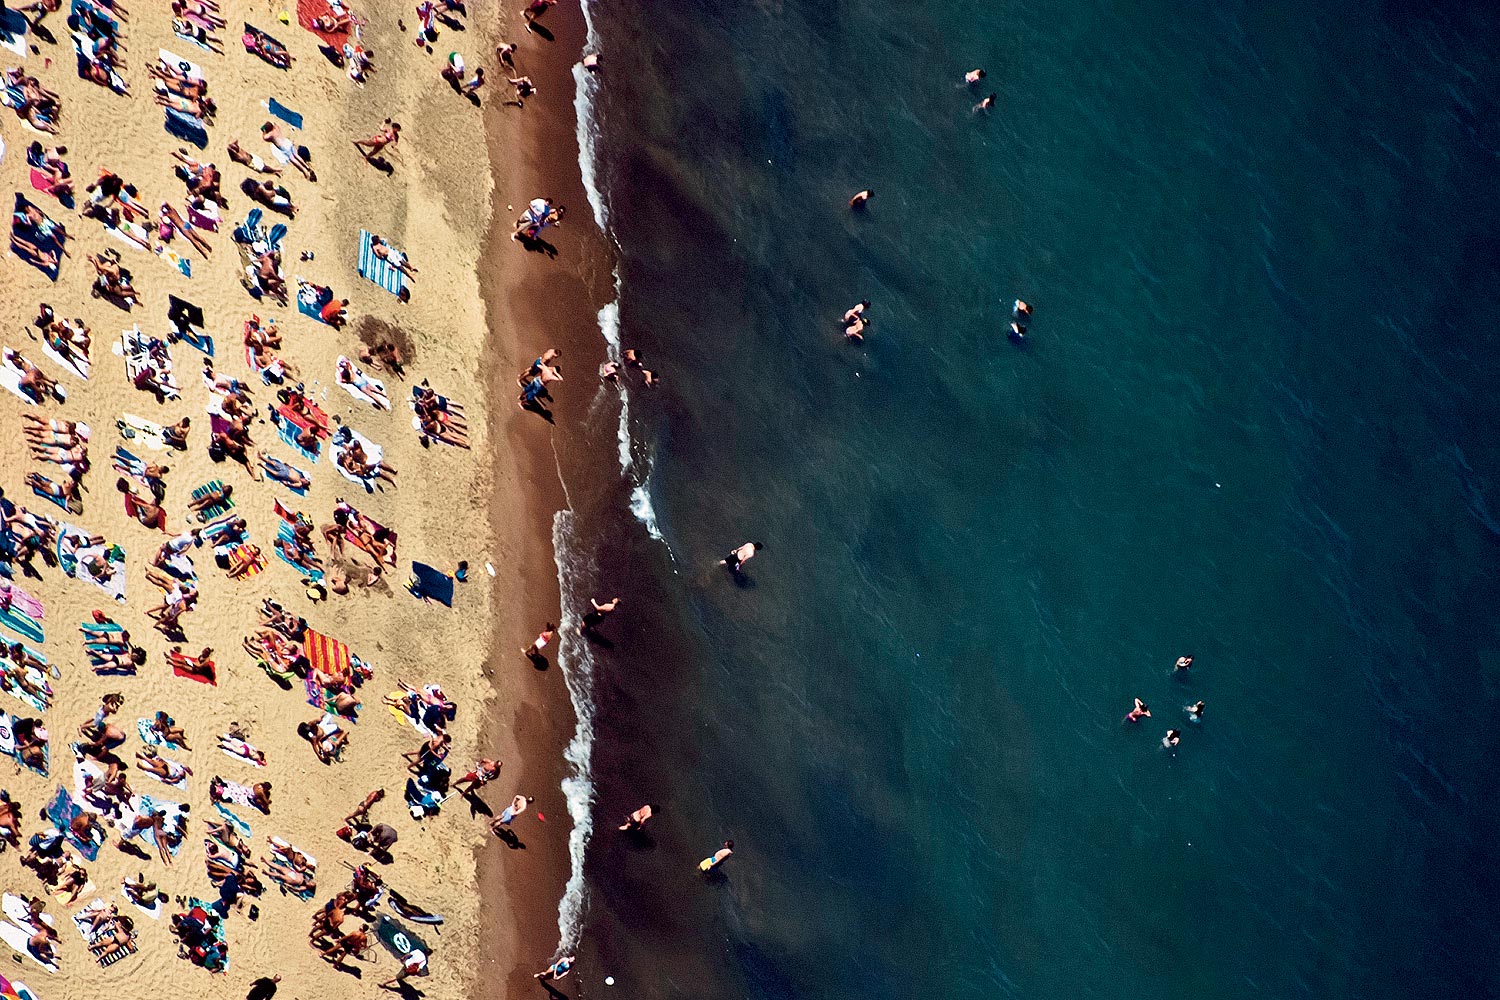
1170 740
858 201
1020 310
973 76
855 322
1194 712
1017 333
986 104
1139 712
738 557
1183 663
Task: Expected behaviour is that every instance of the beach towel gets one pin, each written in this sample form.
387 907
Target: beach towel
46 236
215 927
42 181
13 29
308 13
240 826
402 715
62 810
154 911
18 912
184 668
360 384
266 47
239 750
91 18
367 526
68 363
36 677
219 509
373 454
180 784
399 940
286 114
88 783
381 272
327 654
284 534
301 492
10 378
87 55
22 624
65 504
188 128
20 600
142 431
171 60
235 793
9 748
151 737
97 939
174 817
431 583
74 553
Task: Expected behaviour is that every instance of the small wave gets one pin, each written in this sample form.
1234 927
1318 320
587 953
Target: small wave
577 665
585 90
640 506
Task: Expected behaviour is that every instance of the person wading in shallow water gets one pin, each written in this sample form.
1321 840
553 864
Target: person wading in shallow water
737 558
718 858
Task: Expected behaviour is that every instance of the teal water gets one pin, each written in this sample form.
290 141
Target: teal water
1254 421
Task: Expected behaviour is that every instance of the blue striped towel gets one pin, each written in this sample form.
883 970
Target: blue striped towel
288 434
374 269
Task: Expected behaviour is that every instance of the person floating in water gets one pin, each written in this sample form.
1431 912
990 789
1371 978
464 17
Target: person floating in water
858 201
1020 312
1141 711
1183 663
735 561
973 76
1170 740
985 105
1194 712
709 864
855 322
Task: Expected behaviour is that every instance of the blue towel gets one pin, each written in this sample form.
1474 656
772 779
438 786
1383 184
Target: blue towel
288 433
45 238
374 269
432 583
284 533
12 29
283 112
186 127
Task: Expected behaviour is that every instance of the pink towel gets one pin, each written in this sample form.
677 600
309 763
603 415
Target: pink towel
22 601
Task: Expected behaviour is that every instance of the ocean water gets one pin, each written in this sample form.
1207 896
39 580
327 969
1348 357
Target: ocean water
1254 421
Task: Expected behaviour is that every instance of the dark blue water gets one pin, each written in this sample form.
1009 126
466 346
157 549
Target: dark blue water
1255 422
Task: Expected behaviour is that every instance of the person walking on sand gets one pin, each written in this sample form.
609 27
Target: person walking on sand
389 135
263 988
563 965
517 806
737 558
718 858
1139 712
534 10
534 651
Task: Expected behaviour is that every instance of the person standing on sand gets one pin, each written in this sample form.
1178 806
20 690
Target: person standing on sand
263 988
389 135
538 644
534 10
563 965
517 807
718 858
737 558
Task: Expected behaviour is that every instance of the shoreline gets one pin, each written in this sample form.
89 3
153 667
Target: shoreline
533 302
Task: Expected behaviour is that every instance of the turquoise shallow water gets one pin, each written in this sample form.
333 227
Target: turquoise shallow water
1254 421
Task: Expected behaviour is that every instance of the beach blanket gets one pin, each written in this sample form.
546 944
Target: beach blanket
142 431
311 299
381 272
187 320
219 509
22 624
367 526
287 429
151 737
308 13
8 746
284 851
267 48
180 784
24 612
154 911
402 715
191 668
88 57
147 359
431 583
16 931
74 553
46 236
398 939
98 938
373 454
10 378
360 384
285 535
62 810
174 816
327 654
88 781
34 676
235 793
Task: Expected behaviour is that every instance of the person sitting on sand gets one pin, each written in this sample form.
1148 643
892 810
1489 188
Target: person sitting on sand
167 730
142 891
326 737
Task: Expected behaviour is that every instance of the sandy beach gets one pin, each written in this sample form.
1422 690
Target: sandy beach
480 307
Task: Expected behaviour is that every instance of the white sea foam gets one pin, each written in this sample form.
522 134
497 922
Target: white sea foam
576 662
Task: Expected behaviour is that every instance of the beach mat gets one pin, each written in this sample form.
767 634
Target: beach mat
372 268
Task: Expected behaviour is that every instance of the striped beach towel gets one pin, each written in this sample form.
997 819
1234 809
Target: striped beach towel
217 510
287 431
374 269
